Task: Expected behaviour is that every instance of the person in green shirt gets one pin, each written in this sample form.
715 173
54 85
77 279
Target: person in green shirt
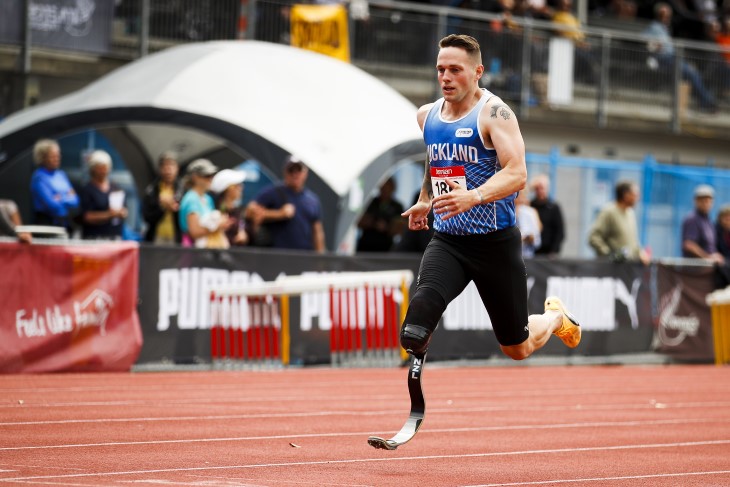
614 233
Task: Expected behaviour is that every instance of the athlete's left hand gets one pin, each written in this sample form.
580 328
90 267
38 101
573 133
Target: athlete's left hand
456 201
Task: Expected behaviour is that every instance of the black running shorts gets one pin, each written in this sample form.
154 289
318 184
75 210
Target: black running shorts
494 262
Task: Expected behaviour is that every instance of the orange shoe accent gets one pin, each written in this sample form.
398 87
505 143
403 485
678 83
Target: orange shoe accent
569 331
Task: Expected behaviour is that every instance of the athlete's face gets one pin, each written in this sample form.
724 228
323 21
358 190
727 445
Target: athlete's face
458 73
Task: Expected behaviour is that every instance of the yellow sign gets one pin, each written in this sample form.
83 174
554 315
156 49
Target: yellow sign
321 28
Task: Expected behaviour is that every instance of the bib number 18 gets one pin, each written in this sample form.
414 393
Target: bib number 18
439 175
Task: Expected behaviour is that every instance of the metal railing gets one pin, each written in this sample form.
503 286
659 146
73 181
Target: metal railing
615 81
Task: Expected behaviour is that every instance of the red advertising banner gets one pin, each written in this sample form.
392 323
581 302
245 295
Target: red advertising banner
69 307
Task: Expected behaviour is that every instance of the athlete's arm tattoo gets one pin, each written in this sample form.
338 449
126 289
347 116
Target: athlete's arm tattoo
426 185
502 110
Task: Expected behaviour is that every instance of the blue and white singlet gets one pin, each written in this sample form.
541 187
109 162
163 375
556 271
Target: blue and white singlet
456 151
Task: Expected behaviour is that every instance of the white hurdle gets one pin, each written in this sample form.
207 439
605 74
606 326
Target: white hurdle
250 324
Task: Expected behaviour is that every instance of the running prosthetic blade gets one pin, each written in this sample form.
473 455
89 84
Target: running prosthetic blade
418 410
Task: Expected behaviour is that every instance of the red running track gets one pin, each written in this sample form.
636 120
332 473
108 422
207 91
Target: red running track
495 426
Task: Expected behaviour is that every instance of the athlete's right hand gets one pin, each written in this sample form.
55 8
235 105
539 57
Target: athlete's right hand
418 216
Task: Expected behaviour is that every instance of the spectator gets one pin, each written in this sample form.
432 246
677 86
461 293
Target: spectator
227 185
161 202
551 217
102 202
698 233
290 213
415 240
529 223
614 233
722 228
54 200
10 219
381 221
202 225
662 49
585 60
720 32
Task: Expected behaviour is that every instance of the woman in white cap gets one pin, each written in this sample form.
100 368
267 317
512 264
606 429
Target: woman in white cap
227 185
102 202
202 225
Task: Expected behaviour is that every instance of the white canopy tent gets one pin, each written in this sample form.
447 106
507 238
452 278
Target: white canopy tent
230 100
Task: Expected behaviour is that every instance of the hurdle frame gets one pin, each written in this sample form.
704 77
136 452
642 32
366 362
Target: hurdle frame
350 283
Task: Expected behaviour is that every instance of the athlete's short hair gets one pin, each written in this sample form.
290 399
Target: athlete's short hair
465 42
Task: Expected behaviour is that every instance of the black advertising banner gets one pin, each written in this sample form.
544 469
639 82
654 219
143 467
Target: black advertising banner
78 25
684 321
612 301
175 286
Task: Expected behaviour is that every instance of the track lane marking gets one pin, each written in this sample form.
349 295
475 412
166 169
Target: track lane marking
683 444
593 424
604 479
509 407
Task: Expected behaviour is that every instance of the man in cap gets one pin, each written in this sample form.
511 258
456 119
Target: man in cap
290 213
698 233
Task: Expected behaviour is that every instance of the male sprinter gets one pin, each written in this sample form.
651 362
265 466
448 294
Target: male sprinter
475 167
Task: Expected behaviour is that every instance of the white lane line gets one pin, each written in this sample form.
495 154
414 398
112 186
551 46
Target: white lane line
684 444
275 481
608 424
49 482
508 407
605 479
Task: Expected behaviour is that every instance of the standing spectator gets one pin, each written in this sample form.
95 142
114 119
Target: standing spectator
415 240
551 217
381 221
723 232
54 200
10 219
102 202
661 46
698 233
290 213
614 234
227 185
202 225
162 202
529 223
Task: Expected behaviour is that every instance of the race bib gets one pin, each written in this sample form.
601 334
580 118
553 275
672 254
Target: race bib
439 175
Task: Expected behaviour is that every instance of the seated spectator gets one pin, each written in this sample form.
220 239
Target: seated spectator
529 224
54 200
381 221
227 186
614 233
202 225
661 48
102 202
162 202
720 33
10 219
288 212
586 64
